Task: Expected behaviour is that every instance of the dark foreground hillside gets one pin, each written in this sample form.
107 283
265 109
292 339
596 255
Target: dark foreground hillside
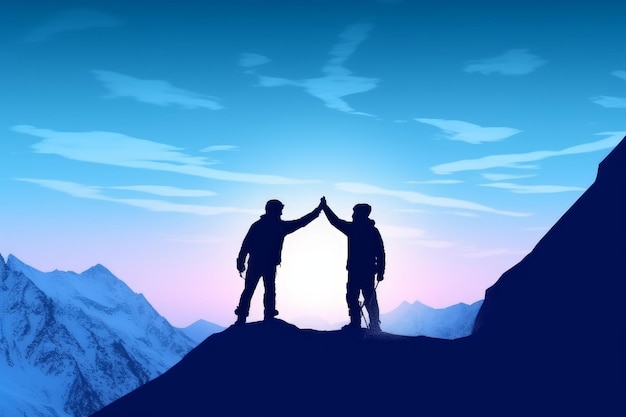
549 340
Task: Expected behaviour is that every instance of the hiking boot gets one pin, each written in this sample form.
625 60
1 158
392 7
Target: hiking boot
353 325
375 326
270 315
241 320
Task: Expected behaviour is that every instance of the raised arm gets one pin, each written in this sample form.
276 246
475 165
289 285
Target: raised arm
341 225
290 226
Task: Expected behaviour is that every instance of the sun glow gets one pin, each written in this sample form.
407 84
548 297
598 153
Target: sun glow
311 279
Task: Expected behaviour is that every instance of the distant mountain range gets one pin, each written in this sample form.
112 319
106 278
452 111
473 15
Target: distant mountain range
418 319
548 340
71 343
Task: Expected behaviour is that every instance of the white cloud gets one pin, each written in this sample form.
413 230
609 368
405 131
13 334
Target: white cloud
97 193
469 132
620 74
512 62
515 160
70 21
337 82
533 189
217 148
165 191
610 102
116 149
249 60
157 92
503 177
419 198
435 182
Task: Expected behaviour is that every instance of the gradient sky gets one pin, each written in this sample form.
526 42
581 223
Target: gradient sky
147 136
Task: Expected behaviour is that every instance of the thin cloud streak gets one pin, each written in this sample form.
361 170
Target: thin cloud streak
610 102
71 20
515 160
511 62
96 193
116 149
435 182
338 81
533 189
219 148
469 132
250 60
419 198
504 177
164 191
157 92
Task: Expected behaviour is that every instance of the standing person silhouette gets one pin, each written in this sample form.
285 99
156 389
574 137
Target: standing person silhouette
366 262
262 246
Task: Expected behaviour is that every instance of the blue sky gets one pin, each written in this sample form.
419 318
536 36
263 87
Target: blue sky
147 136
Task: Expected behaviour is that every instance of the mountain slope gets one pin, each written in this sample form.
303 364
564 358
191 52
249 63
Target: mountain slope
71 343
549 340
418 319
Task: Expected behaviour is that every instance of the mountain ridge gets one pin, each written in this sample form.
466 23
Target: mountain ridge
72 343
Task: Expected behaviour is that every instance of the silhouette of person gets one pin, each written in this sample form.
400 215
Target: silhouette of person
262 246
366 262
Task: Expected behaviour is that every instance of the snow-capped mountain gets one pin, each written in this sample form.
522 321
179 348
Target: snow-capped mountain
71 343
418 319
200 330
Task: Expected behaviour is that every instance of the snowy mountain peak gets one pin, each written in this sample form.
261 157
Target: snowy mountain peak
71 343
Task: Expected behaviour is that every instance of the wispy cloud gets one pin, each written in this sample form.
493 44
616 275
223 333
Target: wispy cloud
157 92
610 102
117 149
413 236
489 253
515 160
70 21
533 189
337 82
423 199
469 132
435 182
164 191
503 177
97 193
218 148
249 60
512 62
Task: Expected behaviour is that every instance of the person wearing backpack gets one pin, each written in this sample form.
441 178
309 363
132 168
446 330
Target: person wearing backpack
262 247
366 262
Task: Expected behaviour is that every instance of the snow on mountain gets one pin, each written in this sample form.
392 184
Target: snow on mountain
418 319
200 330
71 343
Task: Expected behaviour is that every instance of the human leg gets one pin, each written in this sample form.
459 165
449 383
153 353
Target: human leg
252 279
269 297
371 302
352 299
